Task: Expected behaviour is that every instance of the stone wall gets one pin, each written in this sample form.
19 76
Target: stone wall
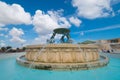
62 53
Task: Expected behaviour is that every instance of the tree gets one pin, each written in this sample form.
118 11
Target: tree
24 48
88 42
3 49
17 49
8 47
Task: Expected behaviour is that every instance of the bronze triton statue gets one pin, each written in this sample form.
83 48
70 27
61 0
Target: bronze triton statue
65 33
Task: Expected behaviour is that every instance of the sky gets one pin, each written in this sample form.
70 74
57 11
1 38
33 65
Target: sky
24 22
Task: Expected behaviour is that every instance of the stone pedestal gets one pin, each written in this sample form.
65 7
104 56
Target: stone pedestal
62 53
62 57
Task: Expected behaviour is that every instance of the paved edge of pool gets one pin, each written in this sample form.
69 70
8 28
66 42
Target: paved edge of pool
63 66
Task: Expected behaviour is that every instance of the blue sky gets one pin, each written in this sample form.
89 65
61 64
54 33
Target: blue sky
24 22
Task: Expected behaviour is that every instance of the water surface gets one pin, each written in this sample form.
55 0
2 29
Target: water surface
10 70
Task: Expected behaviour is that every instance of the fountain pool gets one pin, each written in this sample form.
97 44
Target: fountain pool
10 70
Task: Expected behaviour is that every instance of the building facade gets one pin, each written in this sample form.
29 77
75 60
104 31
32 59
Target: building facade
110 45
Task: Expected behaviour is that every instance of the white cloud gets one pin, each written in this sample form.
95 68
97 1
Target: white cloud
45 23
75 21
113 2
3 35
41 39
17 39
1 25
2 43
3 29
92 9
13 14
16 35
103 29
98 29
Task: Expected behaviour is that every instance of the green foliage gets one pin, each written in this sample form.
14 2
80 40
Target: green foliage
24 48
87 42
3 48
8 47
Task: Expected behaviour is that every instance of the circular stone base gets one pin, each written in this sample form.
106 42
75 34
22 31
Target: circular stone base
62 53
63 66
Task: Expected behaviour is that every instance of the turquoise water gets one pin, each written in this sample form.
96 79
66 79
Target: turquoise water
10 70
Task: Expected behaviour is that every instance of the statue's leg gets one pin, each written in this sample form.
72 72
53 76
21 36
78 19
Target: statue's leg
52 38
68 37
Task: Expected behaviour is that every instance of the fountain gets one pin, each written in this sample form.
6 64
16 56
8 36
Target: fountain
63 56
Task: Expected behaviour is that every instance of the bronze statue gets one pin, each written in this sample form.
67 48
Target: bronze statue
65 33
